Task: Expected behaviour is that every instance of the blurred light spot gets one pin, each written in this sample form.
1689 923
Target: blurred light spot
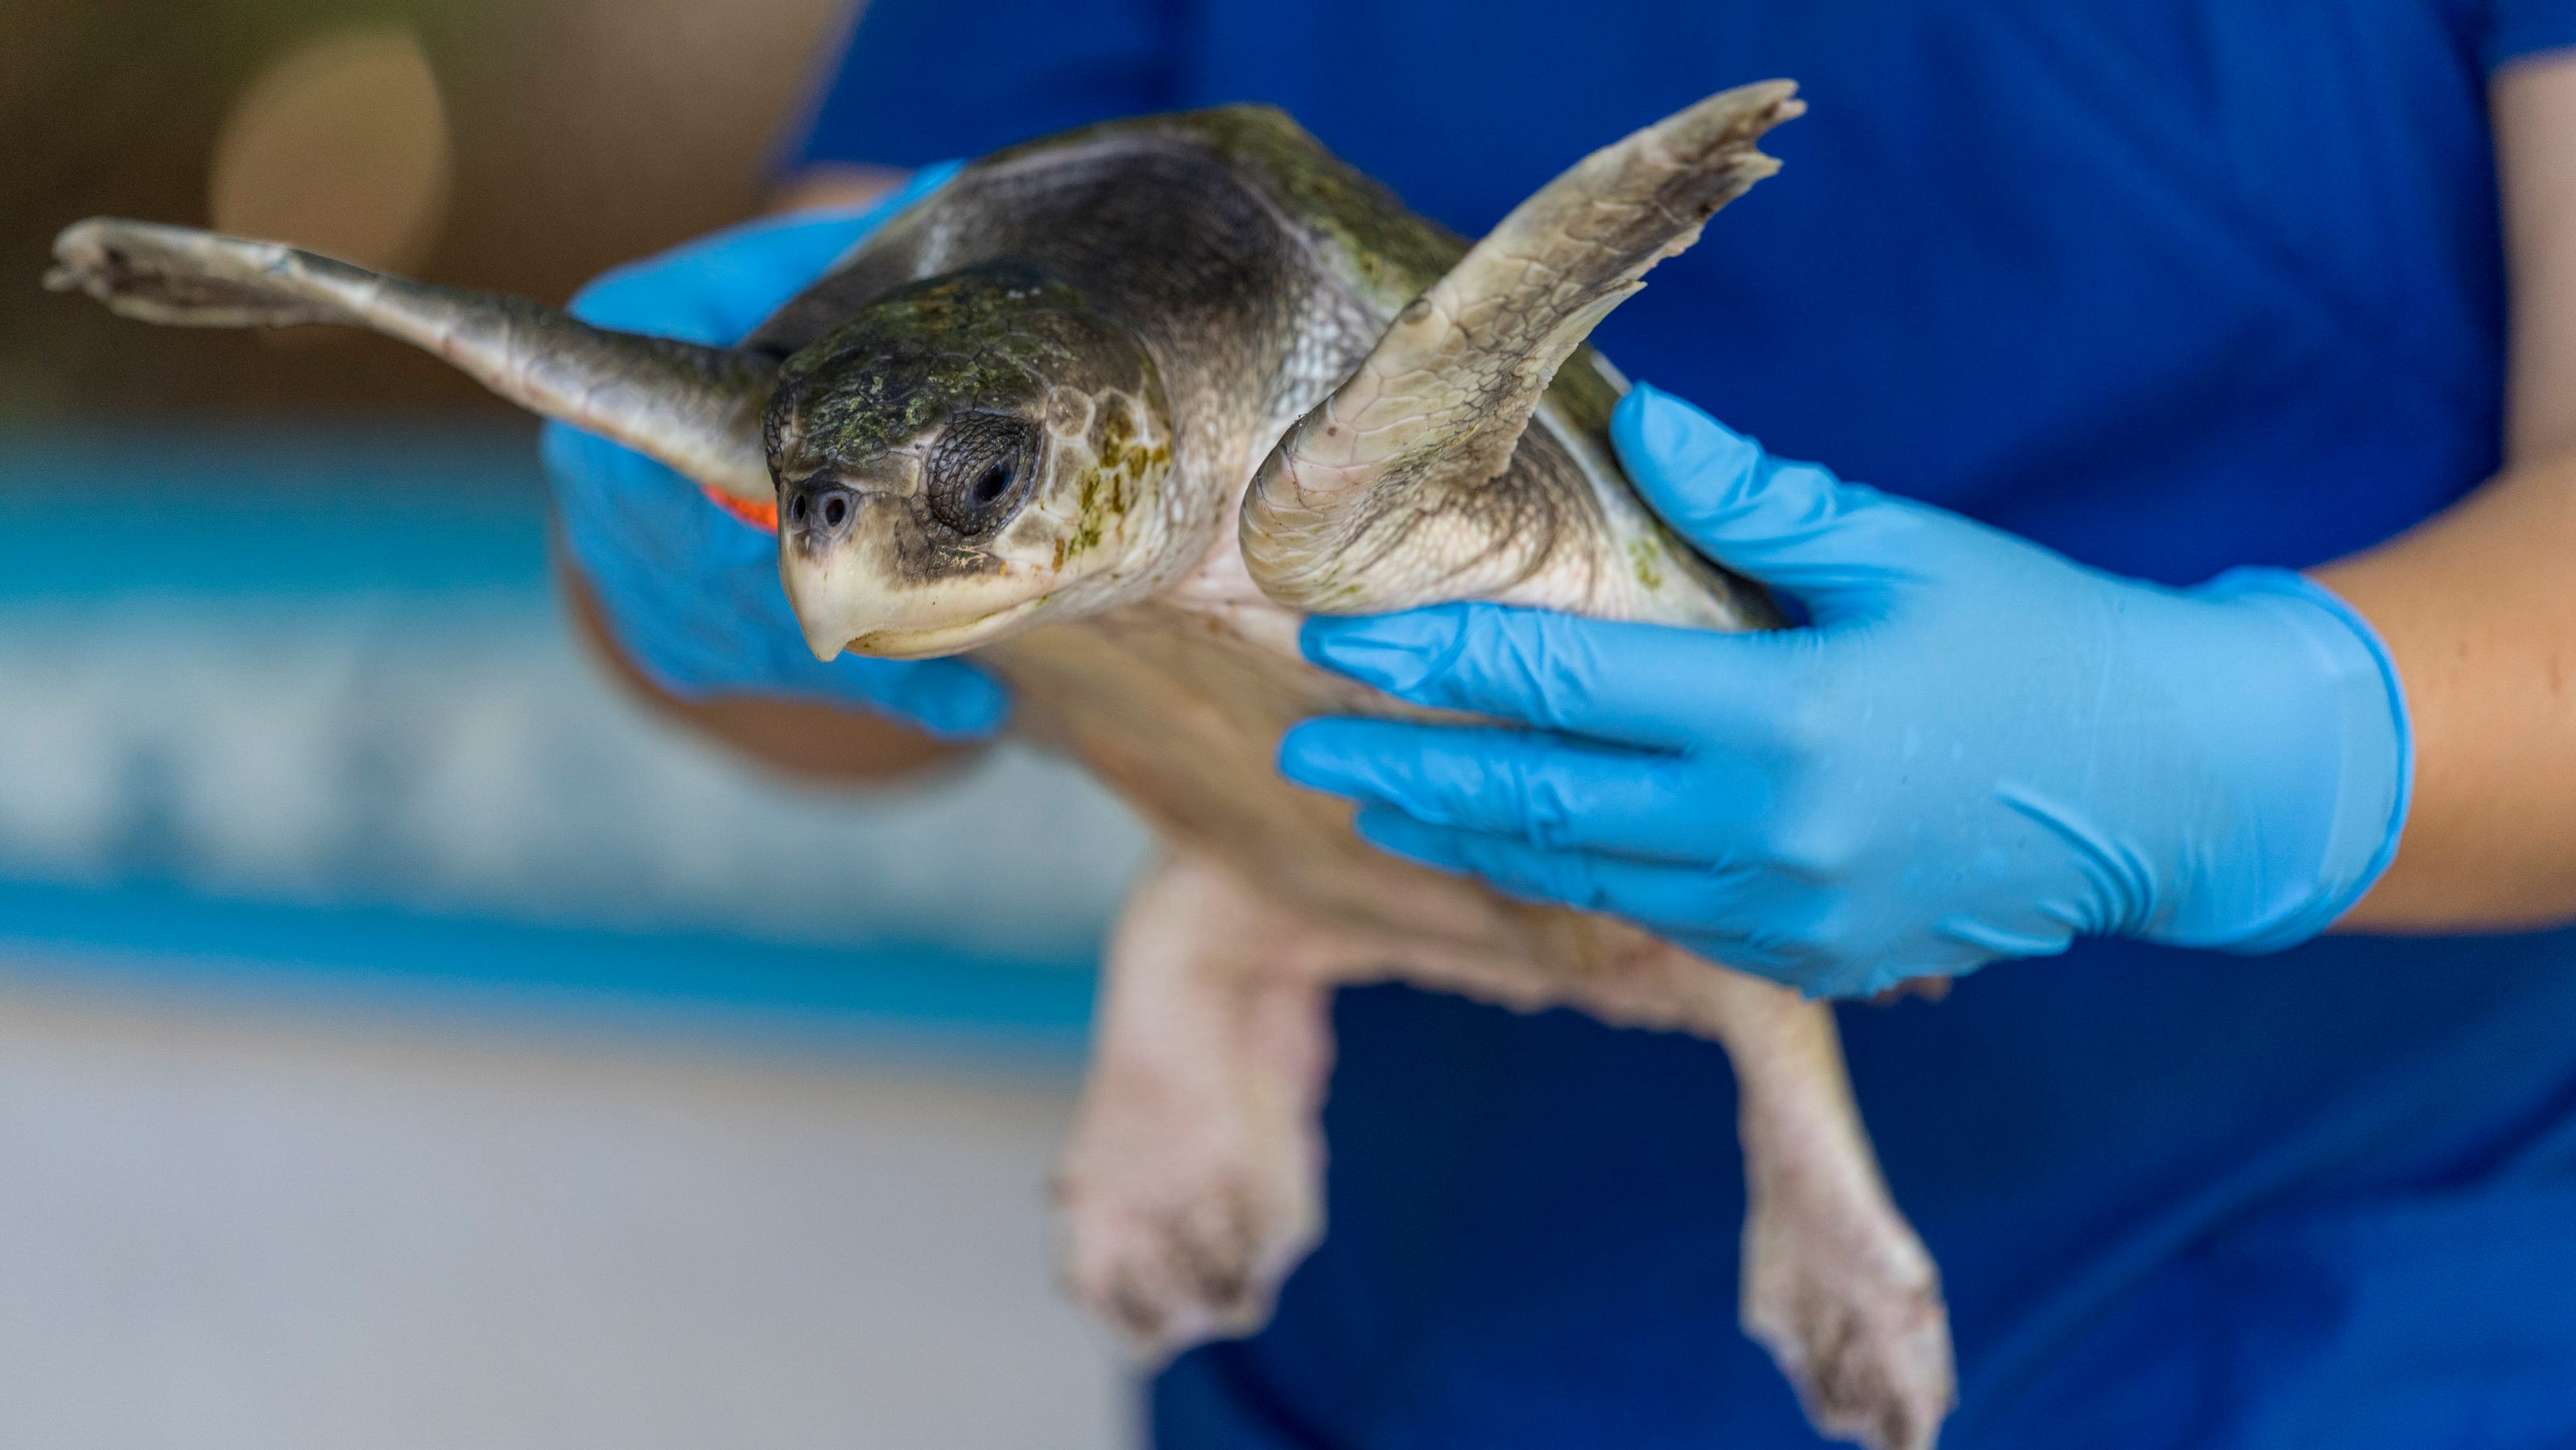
340 146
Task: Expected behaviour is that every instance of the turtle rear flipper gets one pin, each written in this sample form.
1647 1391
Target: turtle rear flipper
694 408
1398 489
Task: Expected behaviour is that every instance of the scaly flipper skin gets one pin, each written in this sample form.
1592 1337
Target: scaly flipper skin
694 408
1836 1284
1431 419
1193 1182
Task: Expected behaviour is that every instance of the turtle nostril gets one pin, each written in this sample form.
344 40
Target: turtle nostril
821 507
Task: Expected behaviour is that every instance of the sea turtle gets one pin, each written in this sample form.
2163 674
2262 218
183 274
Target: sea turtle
1113 410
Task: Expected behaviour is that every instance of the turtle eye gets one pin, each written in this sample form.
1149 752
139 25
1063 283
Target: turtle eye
979 472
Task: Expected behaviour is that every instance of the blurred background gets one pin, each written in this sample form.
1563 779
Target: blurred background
404 1040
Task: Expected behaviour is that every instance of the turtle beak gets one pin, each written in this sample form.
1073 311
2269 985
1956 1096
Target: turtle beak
834 579
836 595
826 644
854 587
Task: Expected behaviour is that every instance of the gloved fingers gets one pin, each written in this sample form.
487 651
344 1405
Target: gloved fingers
1718 911
1836 546
690 594
593 477
725 632
1645 685
617 502
1550 791
716 288
1642 890
1832 980
1713 913
948 698
1752 920
719 287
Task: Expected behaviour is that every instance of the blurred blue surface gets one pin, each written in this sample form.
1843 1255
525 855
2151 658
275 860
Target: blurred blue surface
293 710
232 513
166 937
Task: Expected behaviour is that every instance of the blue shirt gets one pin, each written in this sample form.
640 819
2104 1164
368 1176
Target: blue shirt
2171 285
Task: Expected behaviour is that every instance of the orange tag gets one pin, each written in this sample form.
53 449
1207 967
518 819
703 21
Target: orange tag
761 516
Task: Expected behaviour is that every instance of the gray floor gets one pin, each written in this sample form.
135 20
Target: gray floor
258 1228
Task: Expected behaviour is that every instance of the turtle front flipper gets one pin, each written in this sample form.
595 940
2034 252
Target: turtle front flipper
694 408
1397 489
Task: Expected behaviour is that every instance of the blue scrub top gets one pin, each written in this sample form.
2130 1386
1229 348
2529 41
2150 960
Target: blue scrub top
2170 285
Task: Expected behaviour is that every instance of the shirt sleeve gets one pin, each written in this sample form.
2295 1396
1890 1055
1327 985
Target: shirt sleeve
2518 28
924 80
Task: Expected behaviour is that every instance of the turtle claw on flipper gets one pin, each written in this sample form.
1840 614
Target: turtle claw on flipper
694 408
1428 424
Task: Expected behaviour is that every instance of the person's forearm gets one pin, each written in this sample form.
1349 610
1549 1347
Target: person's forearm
2478 607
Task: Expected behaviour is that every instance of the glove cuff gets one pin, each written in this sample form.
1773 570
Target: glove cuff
2371 777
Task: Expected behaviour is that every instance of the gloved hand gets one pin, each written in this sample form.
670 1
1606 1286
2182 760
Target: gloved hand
1976 749
691 592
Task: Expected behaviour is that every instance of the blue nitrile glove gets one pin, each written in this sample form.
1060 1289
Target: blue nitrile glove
691 592
1977 749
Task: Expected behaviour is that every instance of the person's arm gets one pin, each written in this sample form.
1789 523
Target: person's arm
2478 605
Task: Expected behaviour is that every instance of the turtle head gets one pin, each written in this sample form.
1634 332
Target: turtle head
963 459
